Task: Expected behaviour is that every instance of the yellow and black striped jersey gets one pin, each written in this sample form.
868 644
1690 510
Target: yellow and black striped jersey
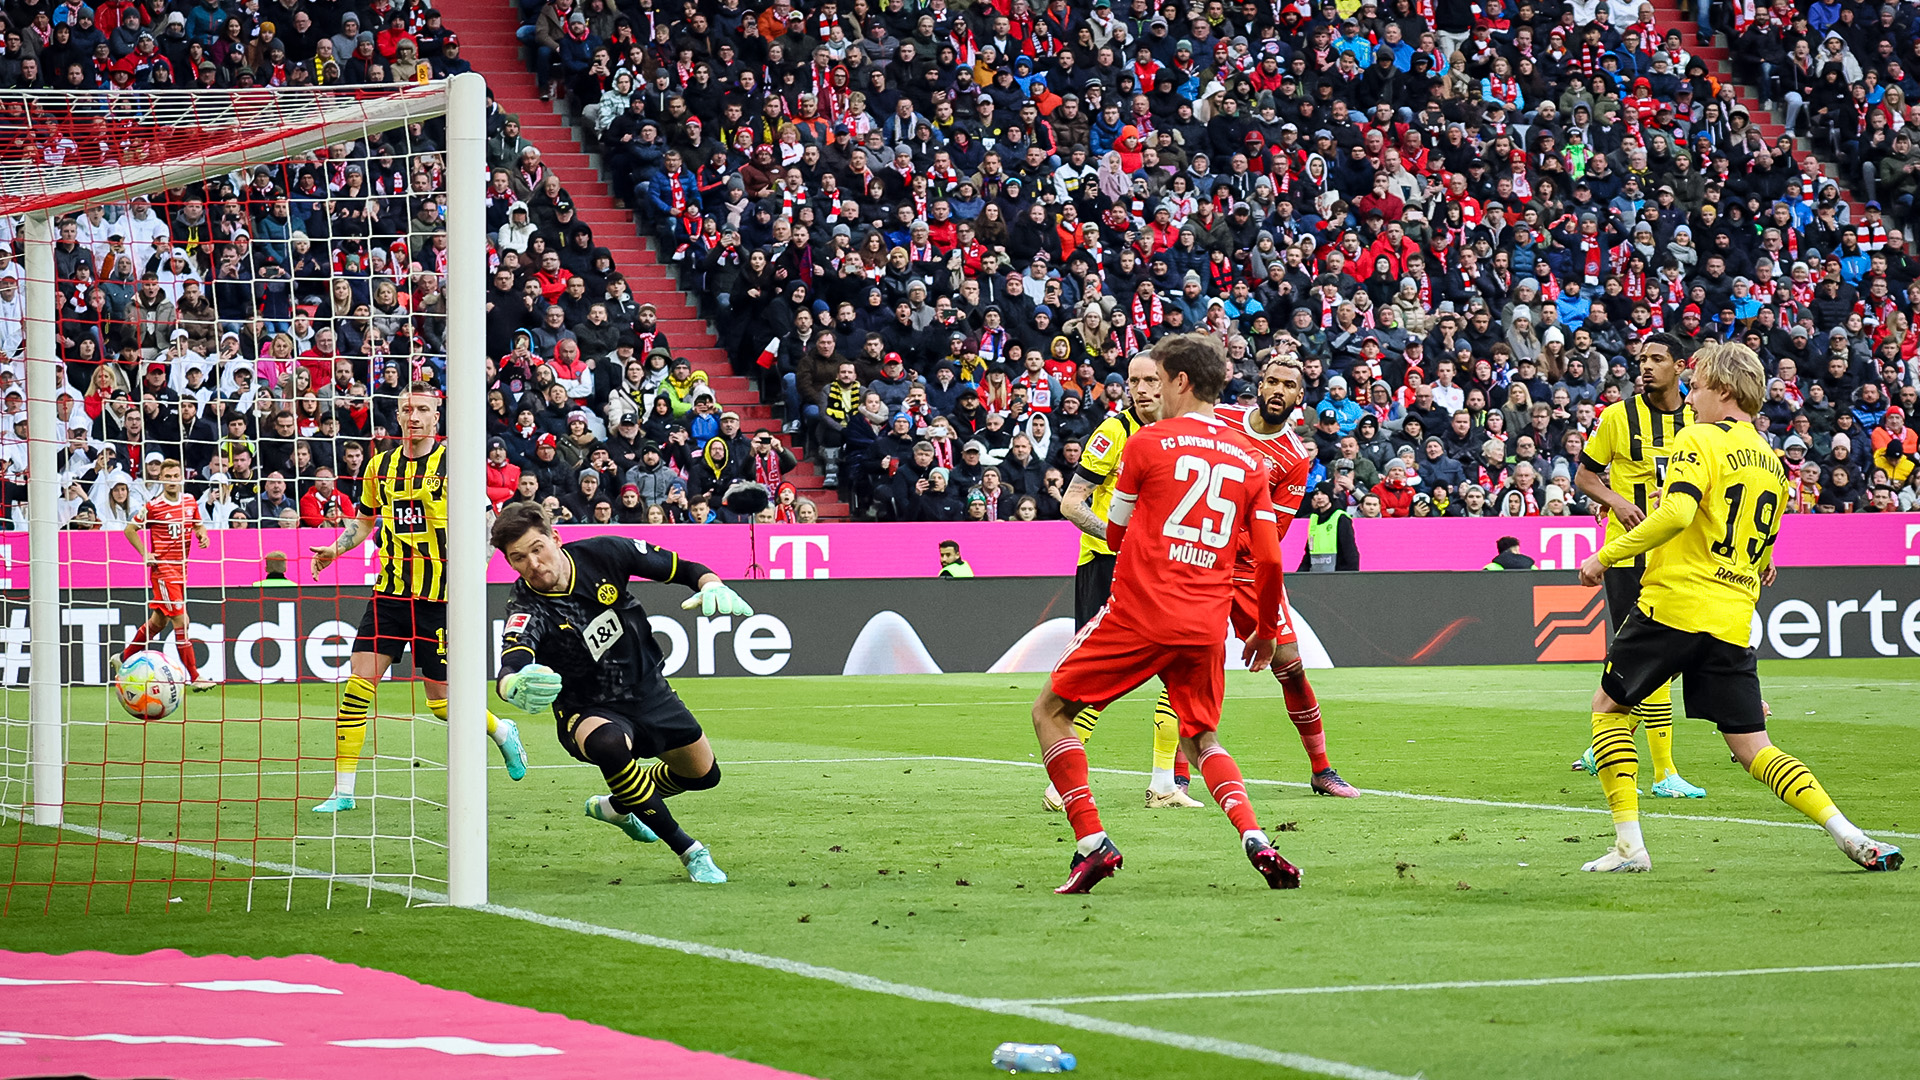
1100 466
1703 576
1632 446
409 496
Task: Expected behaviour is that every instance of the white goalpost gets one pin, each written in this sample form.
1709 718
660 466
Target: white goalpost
68 152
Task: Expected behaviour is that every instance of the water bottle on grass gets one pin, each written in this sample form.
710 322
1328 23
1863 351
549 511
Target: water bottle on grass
1032 1057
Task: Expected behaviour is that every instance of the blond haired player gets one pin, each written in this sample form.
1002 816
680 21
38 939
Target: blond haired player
1085 503
1709 549
404 498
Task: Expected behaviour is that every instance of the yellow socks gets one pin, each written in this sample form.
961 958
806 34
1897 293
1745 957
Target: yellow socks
1166 738
1794 783
438 707
1656 713
1618 764
1166 735
350 732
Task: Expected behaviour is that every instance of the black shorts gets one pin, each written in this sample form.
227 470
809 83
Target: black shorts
1723 679
1092 585
655 726
392 623
1623 593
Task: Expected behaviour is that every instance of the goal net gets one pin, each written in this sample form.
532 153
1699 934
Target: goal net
241 283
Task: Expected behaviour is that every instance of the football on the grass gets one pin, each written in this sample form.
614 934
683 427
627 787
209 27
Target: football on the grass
150 685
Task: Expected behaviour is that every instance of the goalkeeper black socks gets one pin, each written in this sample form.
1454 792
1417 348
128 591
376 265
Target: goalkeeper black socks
635 788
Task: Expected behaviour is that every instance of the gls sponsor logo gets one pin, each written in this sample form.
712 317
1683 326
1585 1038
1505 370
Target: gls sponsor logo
1795 628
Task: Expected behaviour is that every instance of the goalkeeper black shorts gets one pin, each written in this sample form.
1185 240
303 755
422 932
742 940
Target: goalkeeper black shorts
660 723
1722 679
393 623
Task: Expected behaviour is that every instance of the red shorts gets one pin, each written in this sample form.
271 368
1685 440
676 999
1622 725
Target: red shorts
1107 662
1246 612
169 593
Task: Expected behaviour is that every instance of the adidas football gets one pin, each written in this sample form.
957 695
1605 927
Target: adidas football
150 685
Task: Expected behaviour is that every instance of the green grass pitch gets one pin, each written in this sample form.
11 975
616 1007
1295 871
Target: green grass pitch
935 873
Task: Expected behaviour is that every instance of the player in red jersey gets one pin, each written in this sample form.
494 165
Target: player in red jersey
1268 428
1190 492
167 517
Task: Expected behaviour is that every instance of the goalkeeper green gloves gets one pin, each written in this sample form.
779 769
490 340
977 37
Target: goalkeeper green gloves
532 688
717 599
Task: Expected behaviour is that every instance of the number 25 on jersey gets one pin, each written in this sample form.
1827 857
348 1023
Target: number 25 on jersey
1205 479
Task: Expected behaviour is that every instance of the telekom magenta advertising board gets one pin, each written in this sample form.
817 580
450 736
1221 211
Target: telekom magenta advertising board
993 549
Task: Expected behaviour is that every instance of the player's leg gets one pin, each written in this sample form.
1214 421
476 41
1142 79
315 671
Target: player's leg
373 654
183 644
430 654
1656 715
638 789
1726 687
1103 664
1092 585
1196 682
1644 655
1167 784
1303 707
156 622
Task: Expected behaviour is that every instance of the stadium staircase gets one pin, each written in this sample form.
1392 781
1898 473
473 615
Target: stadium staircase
1770 123
488 42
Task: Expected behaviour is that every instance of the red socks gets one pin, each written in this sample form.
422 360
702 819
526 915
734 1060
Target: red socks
185 649
1229 791
1304 710
1066 763
1182 772
135 643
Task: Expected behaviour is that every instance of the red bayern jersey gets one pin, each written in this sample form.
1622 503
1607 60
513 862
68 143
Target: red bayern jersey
167 524
1188 492
1289 460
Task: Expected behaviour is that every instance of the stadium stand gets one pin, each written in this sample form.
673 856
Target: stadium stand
1465 216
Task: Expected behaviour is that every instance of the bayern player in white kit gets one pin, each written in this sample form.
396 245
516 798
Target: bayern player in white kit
1268 426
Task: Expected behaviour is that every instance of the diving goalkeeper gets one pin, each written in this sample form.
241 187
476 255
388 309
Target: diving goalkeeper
577 640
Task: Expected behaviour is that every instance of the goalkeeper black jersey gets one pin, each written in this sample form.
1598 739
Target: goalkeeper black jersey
595 634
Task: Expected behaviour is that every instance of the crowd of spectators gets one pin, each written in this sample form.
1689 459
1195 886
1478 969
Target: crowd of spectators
932 235
1467 216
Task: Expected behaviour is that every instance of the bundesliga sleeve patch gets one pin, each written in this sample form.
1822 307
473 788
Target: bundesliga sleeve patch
1100 445
518 622
640 546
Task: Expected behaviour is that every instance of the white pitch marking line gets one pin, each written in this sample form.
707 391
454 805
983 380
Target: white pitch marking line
852 980
1485 984
1414 795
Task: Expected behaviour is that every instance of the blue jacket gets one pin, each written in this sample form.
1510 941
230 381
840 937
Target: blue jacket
660 192
1102 136
1573 311
1347 409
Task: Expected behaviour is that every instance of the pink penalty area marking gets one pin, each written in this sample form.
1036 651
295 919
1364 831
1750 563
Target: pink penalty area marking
228 1018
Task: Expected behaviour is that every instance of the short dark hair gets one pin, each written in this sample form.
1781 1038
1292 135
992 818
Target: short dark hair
515 520
1506 544
1675 344
954 544
1199 357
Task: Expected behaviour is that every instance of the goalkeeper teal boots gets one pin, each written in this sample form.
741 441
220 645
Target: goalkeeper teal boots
600 808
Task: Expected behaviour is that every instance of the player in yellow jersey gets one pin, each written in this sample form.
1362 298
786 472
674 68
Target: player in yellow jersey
1085 504
1709 549
1632 446
403 497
